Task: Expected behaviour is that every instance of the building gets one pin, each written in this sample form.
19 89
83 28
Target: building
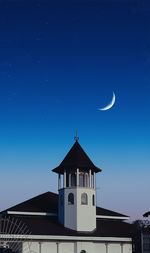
144 234
70 221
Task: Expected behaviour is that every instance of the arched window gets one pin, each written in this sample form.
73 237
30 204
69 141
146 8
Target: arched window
70 199
93 200
81 179
84 199
83 251
73 180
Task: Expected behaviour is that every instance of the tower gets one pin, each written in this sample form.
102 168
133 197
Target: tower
77 190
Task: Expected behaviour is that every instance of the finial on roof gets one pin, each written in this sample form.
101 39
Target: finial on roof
76 138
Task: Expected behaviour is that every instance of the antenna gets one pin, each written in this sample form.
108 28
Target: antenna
76 138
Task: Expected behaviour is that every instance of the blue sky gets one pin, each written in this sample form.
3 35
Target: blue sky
59 62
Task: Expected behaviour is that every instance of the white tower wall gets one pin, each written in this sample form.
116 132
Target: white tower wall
77 216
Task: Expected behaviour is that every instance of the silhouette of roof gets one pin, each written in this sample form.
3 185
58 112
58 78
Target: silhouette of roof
76 158
105 212
48 203
146 214
46 225
49 225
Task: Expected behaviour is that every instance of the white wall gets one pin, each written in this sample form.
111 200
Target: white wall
99 248
70 211
88 246
34 247
76 247
48 247
66 247
114 248
74 215
127 248
86 222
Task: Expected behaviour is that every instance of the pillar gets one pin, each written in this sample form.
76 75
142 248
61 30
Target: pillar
90 179
121 247
64 179
57 243
69 180
77 177
106 244
59 181
94 180
40 247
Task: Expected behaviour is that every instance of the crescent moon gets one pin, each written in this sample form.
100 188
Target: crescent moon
110 105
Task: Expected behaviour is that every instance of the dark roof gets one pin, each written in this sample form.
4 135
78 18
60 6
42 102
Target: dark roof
48 202
105 212
146 214
49 226
76 158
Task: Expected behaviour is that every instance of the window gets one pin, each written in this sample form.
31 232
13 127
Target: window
93 200
84 199
73 180
70 199
81 179
86 180
83 251
67 180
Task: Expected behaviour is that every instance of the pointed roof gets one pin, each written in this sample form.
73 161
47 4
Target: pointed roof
76 158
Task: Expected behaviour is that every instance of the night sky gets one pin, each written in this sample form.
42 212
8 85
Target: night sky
59 62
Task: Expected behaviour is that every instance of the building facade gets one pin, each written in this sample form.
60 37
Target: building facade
70 221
